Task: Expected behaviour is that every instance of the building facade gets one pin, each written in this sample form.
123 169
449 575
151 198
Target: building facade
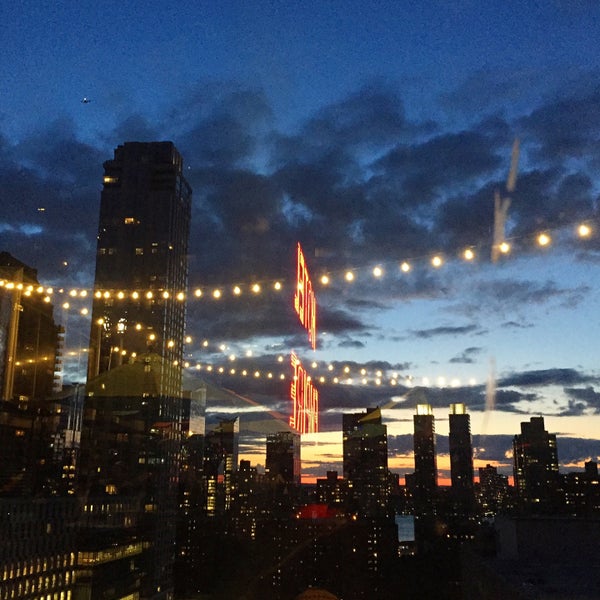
461 459
283 457
536 468
135 413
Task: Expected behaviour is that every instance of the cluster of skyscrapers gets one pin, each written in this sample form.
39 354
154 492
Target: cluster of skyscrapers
107 492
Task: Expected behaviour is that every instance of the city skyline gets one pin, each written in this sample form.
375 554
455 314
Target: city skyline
373 138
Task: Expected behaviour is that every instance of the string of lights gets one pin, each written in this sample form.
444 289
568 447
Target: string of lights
544 239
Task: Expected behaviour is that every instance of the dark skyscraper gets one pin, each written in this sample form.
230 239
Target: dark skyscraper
425 480
134 412
283 457
141 262
366 461
536 467
461 459
29 336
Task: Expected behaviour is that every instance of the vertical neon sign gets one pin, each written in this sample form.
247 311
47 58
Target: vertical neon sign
305 302
305 399
304 396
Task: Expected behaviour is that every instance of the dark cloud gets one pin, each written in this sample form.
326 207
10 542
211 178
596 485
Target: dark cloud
467 356
544 377
426 334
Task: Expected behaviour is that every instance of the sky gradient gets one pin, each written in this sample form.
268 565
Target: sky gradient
373 135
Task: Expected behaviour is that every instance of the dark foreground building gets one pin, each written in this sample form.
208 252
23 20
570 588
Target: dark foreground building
135 413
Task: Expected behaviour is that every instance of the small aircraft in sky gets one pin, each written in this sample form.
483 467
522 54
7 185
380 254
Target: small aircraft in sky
85 100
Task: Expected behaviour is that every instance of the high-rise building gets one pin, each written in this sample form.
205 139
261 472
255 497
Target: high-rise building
493 490
37 513
141 261
283 457
135 412
365 461
425 479
220 463
461 459
535 471
29 336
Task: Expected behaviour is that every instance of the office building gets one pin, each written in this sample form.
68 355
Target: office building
461 460
135 412
29 336
365 462
493 494
535 460
425 476
220 464
141 261
283 457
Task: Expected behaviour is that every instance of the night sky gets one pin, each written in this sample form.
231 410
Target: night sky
373 134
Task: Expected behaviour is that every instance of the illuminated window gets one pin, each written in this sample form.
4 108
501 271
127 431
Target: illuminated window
130 221
139 251
110 180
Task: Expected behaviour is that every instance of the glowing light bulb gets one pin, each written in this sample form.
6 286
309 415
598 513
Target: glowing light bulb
188 339
325 279
237 290
468 254
543 239
377 272
349 276
405 267
217 294
165 294
256 288
181 296
277 285
584 230
436 261
504 247
65 305
198 293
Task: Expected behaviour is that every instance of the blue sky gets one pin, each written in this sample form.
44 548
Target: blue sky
373 133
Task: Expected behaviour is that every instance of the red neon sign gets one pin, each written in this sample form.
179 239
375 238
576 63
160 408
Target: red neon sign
305 302
305 398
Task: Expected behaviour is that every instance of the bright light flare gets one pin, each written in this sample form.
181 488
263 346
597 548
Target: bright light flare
544 239
584 230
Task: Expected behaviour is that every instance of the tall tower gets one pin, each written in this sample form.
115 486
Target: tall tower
425 482
134 411
141 261
283 457
536 467
461 459
365 461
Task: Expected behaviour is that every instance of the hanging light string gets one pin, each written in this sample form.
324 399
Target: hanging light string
542 240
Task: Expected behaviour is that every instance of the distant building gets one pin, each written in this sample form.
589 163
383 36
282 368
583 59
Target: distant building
461 460
332 491
283 457
135 412
493 491
220 463
29 336
582 491
366 462
536 468
425 477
